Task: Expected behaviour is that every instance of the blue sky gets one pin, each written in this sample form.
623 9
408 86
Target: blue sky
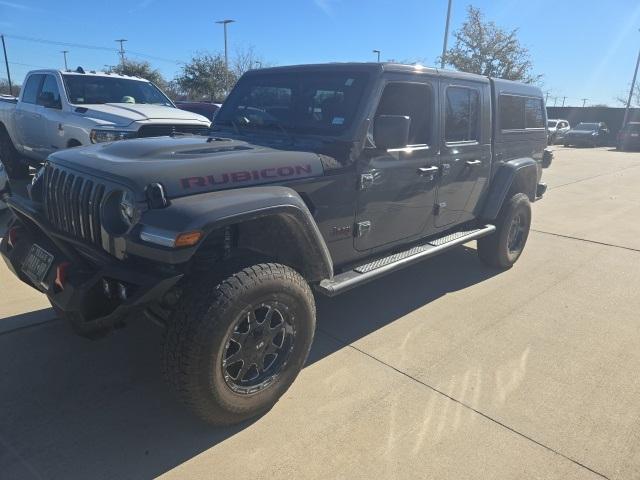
584 48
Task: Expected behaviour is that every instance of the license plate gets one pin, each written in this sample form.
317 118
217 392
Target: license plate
37 263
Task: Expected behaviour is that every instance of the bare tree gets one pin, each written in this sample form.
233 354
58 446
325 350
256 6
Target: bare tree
4 88
482 47
245 60
635 97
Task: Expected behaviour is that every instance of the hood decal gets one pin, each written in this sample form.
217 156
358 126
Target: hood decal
244 176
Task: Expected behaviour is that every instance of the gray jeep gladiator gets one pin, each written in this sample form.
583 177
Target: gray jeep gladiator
313 177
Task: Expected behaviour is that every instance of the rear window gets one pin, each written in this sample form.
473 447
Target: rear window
518 113
632 128
462 119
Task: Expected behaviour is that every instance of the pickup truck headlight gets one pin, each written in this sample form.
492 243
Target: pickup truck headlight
99 136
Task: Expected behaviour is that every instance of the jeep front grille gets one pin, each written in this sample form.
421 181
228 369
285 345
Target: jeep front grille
72 203
164 130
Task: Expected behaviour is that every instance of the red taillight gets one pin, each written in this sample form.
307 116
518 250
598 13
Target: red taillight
61 274
12 236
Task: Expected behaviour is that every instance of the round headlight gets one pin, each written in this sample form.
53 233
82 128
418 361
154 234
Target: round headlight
119 212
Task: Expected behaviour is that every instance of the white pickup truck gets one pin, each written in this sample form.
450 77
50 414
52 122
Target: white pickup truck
63 109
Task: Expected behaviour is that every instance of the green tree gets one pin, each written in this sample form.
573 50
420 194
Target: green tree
205 77
482 47
139 69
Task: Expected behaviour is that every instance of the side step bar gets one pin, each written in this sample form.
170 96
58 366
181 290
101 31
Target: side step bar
377 268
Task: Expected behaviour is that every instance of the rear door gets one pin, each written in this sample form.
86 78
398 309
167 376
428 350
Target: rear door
397 187
465 149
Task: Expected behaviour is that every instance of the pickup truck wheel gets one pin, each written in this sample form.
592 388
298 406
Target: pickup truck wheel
504 247
233 347
10 158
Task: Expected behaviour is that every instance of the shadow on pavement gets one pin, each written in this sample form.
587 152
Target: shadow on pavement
76 409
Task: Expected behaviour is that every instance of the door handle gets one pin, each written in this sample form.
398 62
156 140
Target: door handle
474 163
428 171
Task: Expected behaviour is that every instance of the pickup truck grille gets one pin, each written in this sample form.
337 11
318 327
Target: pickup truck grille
164 130
72 204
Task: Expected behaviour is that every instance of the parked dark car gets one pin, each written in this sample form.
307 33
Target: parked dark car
314 176
629 137
206 109
587 134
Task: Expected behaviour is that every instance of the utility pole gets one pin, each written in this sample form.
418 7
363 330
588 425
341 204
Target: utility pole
633 86
584 101
121 41
6 64
446 35
64 52
555 101
378 53
563 99
546 96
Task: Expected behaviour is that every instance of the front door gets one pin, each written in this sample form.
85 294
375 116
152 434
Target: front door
465 151
397 187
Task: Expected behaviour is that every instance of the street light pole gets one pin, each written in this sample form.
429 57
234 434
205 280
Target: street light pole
64 52
224 23
446 35
378 53
633 86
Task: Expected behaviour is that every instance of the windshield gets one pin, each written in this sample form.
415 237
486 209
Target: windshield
90 89
587 126
303 102
551 123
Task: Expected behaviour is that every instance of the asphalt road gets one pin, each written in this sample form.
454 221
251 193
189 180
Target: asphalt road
445 370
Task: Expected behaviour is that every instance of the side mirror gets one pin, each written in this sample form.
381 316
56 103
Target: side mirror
391 131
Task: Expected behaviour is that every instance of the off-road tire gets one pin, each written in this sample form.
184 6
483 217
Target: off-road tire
494 249
199 330
10 158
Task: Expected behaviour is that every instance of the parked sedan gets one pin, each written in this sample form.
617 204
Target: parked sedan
206 109
629 137
587 134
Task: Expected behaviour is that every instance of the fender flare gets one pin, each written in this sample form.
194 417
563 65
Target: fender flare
520 173
211 211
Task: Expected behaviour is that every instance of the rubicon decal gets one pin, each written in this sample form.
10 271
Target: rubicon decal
247 176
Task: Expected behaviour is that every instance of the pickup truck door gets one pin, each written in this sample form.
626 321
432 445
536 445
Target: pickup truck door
27 115
465 150
397 187
51 121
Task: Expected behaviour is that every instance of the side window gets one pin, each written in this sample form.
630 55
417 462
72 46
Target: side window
533 113
49 93
31 88
511 112
414 100
462 115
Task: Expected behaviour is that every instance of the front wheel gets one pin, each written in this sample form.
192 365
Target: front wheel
233 347
503 248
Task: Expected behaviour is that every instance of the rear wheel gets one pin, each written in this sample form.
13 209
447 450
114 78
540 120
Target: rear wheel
233 347
504 247
11 159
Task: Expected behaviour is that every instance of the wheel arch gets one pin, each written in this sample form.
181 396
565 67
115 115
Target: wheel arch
515 176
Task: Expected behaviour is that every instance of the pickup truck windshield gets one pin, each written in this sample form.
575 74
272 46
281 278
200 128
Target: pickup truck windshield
90 89
322 103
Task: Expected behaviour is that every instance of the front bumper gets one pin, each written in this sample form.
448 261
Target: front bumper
81 298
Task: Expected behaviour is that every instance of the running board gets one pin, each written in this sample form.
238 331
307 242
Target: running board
377 268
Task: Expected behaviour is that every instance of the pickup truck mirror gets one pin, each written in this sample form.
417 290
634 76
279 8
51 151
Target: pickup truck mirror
391 131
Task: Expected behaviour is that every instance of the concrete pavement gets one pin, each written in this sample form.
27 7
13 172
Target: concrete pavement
445 370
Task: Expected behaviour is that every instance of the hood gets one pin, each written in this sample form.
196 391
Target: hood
580 133
188 165
124 114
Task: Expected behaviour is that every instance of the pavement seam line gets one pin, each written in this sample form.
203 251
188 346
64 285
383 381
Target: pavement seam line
463 404
631 249
26 327
595 176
